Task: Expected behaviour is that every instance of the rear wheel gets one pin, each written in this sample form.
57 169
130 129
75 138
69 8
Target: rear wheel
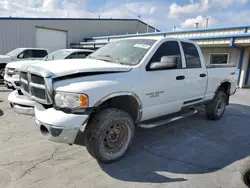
216 108
109 134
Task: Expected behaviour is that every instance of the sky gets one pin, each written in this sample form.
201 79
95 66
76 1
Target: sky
162 14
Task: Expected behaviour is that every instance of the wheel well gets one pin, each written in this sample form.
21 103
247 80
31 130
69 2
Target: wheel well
225 87
127 103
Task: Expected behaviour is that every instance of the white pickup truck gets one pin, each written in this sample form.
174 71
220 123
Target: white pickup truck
19 54
127 83
11 77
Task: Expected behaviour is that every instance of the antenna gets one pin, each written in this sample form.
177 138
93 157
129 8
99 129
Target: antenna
138 23
79 38
196 25
207 19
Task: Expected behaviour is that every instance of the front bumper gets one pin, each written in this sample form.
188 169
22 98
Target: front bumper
21 103
57 134
58 126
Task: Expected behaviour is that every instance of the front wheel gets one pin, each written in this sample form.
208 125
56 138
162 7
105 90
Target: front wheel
216 108
109 134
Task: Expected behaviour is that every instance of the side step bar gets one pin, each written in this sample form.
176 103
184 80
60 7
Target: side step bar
162 122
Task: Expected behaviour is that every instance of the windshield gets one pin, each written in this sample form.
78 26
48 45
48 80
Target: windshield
129 52
56 55
15 53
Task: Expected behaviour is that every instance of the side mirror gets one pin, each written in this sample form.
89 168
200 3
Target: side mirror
167 62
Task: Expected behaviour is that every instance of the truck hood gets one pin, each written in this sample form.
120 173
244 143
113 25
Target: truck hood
66 67
18 64
4 58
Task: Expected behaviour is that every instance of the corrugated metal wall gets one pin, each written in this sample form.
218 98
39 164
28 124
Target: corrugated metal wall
234 54
21 33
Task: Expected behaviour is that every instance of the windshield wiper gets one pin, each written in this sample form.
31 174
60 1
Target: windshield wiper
115 60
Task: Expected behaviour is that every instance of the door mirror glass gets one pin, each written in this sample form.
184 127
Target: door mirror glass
167 62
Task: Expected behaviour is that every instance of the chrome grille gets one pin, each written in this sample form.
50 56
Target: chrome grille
34 86
37 79
24 76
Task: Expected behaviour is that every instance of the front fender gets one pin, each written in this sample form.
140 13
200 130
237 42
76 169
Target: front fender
98 88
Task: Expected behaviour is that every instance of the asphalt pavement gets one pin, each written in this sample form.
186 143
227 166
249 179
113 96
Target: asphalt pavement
191 153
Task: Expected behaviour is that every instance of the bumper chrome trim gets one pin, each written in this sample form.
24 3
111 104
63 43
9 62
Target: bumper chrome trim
23 110
22 104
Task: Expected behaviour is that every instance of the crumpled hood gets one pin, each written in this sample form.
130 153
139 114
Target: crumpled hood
4 58
74 66
18 64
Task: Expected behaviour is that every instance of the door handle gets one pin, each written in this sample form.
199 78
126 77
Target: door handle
203 75
180 77
232 73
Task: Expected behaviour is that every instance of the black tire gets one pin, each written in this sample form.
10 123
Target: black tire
245 173
216 108
109 134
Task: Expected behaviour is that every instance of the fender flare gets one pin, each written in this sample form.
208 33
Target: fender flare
222 82
123 93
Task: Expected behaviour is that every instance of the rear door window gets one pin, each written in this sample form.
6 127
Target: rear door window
191 55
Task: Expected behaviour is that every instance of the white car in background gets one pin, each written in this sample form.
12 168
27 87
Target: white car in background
19 54
11 77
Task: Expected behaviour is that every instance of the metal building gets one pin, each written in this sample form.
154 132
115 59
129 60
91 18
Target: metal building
227 45
58 33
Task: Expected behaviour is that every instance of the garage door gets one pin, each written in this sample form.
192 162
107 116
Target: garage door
51 39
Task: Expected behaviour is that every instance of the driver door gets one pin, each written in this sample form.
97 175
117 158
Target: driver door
164 89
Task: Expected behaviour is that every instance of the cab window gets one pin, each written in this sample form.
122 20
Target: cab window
191 55
169 48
